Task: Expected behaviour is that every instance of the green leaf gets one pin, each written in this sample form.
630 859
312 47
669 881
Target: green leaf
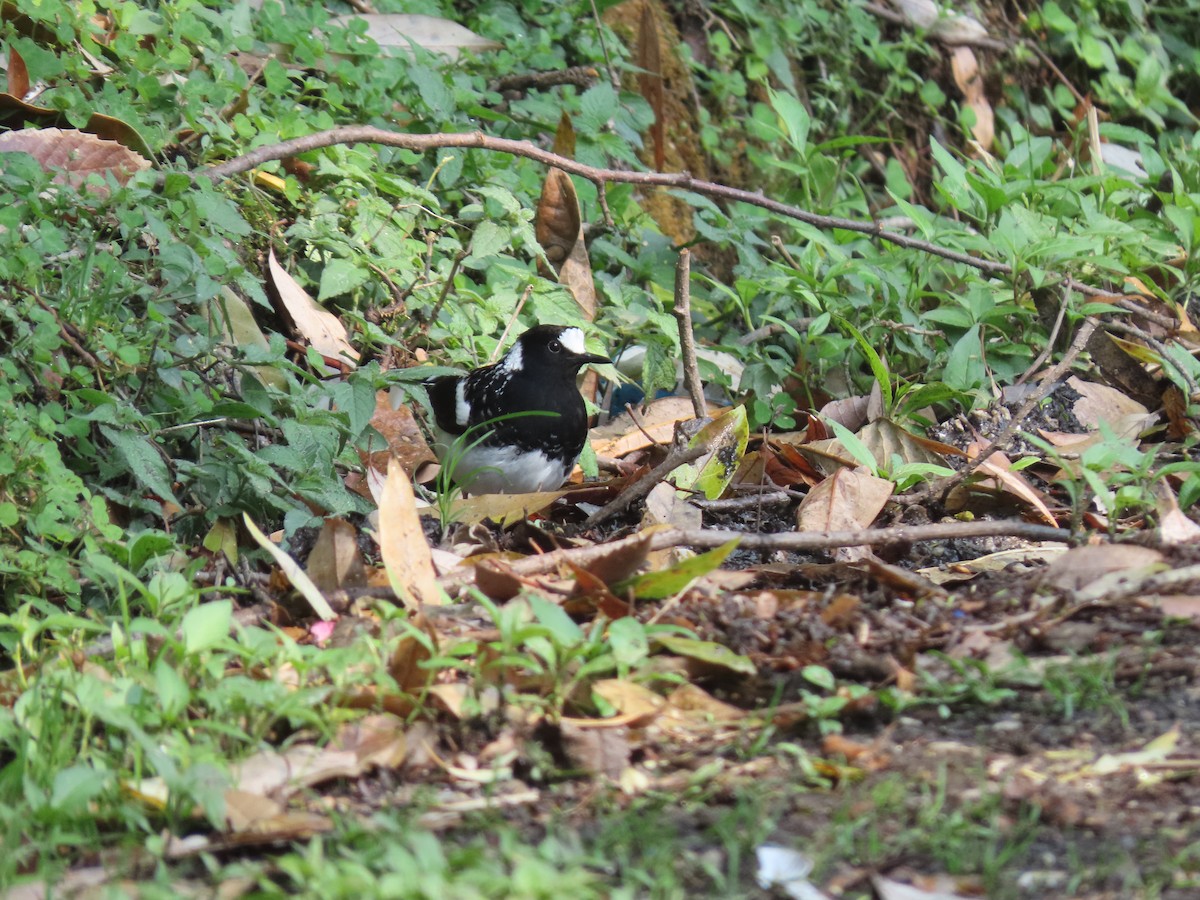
561 626
340 277
627 637
820 676
669 582
854 446
216 210
489 240
953 183
964 366
74 788
795 118
173 691
1054 17
707 652
206 625
878 369
143 460
726 437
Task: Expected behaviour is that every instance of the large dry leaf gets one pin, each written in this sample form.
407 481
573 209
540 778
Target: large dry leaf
360 746
999 469
622 436
1081 566
600 751
886 440
559 229
558 224
944 24
847 500
321 328
74 155
970 82
504 509
402 543
637 706
229 314
105 127
1100 404
397 32
650 79
335 562
18 75
295 574
400 430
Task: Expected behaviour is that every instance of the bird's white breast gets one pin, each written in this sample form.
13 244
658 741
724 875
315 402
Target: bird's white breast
500 470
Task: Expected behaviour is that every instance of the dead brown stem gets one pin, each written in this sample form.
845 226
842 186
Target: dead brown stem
687 340
421 143
796 542
645 484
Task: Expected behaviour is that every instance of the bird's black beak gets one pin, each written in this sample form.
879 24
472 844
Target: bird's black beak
592 359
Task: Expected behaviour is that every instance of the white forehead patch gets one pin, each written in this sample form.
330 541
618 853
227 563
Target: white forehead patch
514 360
462 409
572 339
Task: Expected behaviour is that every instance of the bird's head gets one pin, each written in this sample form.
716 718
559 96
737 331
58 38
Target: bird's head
550 349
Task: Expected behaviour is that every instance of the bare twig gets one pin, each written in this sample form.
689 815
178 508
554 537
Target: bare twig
508 327
1164 354
420 143
446 288
795 542
746 501
580 76
687 340
641 426
645 484
1050 341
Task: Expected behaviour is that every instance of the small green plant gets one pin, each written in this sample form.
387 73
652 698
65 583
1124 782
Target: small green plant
1086 685
973 681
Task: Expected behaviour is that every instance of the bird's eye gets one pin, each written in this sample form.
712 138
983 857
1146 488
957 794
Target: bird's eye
555 346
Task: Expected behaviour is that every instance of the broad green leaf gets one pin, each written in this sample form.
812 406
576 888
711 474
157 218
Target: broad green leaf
707 652
627 637
206 625
964 367
953 183
340 277
820 676
795 118
489 239
561 626
144 461
669 582
726 437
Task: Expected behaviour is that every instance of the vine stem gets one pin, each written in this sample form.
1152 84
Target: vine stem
422 143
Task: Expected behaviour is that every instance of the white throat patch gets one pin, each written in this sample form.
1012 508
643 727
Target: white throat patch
514 360
572 339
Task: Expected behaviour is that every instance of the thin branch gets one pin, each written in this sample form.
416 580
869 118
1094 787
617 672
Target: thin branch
580 76
645 484
687 340
421 143
795 542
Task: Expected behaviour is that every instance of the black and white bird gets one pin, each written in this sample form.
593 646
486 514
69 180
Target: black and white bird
535 447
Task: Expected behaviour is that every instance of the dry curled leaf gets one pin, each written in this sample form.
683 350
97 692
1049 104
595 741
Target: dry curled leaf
75 155
312 322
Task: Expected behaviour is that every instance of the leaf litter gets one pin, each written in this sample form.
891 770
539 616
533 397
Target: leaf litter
854 656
